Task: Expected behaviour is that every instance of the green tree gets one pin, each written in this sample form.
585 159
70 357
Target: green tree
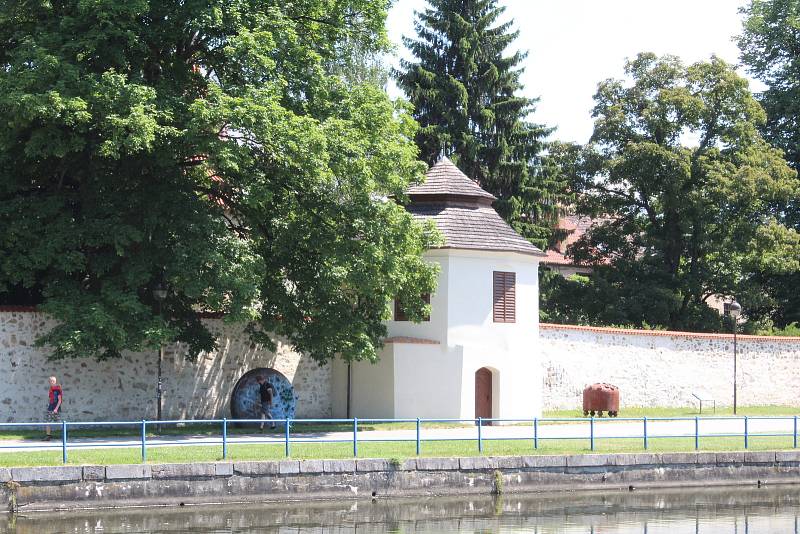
210 145
692 192
770 47
465 93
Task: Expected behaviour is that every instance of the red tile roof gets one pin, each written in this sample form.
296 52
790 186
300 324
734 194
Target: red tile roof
662 333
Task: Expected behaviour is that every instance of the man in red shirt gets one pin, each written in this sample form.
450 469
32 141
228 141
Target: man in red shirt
55 398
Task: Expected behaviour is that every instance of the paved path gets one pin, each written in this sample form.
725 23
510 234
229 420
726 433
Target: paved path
603 428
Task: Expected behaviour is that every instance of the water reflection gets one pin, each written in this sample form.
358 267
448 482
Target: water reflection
740 511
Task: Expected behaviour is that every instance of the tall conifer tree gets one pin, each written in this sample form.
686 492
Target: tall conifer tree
465 91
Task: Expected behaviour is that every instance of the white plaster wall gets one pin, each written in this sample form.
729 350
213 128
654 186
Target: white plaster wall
372 387
510 349
427 381
436 328
125 389
440 382
654 369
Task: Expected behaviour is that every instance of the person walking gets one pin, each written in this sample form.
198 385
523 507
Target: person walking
54 399
267 394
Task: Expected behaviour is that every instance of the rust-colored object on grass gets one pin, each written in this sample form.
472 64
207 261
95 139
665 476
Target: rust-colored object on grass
599 398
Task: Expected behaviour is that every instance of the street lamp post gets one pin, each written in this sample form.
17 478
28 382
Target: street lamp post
734 310
159 294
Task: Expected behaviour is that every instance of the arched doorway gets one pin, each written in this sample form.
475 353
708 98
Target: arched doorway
483 393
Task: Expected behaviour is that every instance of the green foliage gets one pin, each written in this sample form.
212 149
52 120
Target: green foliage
465 93
214 144
770 48
790 330
685 220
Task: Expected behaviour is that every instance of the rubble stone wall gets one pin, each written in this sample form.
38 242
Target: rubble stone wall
125 389
656 368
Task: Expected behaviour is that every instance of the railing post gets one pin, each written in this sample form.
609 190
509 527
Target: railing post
644 421
418 444
480 437
355 437
224 438
535 433
144 441
64 441
591 433
746 437
795 432
288 424
696 433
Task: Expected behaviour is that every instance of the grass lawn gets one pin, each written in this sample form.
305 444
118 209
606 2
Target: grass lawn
203 429
399 450
688 411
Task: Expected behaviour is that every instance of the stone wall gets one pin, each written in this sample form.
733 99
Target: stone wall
75 487
126 389
651 368
655 368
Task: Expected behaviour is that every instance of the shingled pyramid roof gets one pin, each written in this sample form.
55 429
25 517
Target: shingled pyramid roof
444 178
463 212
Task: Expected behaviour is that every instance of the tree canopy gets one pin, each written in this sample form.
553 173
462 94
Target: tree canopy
213 146
691 194
770 48
465 89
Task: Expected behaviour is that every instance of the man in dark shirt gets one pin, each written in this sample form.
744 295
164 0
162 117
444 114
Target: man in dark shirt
266 393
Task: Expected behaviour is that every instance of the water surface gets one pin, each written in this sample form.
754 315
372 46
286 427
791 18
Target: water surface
745 511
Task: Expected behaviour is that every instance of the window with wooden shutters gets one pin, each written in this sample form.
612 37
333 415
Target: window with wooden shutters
505 297
400 314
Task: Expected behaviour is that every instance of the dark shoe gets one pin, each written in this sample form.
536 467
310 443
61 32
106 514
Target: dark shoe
272 426
48 437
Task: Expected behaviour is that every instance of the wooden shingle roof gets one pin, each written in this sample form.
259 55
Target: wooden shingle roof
463 213
444 178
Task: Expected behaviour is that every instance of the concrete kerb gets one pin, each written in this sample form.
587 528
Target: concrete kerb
289 467
787 456
368 465
184 471
223 469
590 460
311 466
128 472
47 474
86 486
255 468
437 464
548 461
94 473
588 463
339 466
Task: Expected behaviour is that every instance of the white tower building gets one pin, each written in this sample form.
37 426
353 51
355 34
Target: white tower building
477 354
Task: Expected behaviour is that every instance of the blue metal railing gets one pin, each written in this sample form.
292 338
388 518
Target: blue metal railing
360 436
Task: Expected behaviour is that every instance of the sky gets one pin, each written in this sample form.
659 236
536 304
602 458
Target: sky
574 44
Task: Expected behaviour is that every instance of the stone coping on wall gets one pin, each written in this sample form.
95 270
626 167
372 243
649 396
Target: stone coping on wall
75 487
575 463
664 333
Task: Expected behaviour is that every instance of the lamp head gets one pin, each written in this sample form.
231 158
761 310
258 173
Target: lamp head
160 292
734 309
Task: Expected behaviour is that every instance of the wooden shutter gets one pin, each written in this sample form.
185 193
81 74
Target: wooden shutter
505 297
400 314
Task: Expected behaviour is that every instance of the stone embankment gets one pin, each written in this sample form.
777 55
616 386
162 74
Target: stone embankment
71 487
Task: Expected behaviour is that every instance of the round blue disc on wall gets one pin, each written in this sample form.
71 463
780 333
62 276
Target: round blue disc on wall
246 399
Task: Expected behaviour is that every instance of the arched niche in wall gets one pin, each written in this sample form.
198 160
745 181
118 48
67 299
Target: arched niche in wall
246 398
